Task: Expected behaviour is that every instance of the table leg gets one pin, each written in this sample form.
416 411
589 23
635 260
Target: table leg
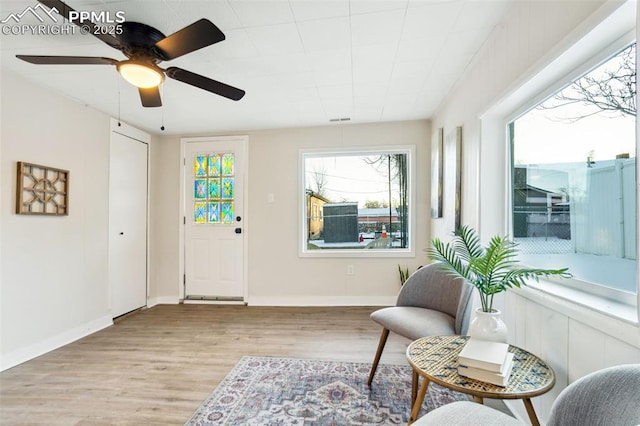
478 399
414 387
531 412
419 400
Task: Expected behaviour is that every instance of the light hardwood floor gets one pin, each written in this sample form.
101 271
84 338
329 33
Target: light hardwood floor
156 366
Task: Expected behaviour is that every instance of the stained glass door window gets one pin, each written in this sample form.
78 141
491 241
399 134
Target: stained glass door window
213 188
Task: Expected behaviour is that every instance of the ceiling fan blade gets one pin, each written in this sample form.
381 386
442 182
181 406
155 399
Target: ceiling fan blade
66 60
150 97
205 83
64 10
200 34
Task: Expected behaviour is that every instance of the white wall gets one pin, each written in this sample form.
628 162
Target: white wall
164 204
277 276
528 32
53 270
573 339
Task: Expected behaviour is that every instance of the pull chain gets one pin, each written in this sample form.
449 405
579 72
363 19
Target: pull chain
162 109
119 101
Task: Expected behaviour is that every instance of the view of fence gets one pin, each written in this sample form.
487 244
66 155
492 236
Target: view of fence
596 214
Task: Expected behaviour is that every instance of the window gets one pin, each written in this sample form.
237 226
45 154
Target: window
574 178
213 185
356 201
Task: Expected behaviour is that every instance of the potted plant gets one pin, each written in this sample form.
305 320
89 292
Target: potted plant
491 269
404 274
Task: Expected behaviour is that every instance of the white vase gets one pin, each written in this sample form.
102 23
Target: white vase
488 326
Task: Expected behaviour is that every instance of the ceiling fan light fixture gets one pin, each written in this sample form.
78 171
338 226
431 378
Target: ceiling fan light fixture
140 74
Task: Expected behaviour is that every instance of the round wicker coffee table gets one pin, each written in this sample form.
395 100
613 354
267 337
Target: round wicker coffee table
435 358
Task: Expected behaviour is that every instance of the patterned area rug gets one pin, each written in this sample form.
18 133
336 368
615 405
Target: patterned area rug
281 391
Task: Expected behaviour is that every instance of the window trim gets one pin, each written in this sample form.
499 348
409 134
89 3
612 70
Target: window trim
607 31
410 150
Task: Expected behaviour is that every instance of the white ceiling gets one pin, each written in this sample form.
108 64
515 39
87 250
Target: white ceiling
301 62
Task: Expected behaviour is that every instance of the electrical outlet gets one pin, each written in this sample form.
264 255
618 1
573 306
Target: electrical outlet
350 270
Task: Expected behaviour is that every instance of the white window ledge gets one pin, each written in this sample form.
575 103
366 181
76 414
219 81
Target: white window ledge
608 316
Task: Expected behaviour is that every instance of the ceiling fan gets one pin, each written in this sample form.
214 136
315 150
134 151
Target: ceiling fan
145 47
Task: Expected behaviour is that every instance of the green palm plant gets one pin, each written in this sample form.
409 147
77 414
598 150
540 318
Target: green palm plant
491 269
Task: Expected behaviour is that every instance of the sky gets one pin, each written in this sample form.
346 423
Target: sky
542 138
350 178
545 136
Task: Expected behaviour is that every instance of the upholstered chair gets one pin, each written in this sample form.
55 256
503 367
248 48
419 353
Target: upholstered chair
430 303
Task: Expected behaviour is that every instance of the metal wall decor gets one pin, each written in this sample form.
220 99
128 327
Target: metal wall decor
453 178
436 173
42 190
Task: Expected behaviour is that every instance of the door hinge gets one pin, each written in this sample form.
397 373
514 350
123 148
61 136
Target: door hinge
184 278
184 220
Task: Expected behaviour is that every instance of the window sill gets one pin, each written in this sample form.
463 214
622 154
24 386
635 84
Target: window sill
608 316
399 253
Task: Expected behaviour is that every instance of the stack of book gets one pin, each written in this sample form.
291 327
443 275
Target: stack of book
486 361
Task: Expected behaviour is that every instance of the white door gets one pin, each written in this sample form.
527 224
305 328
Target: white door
214 221
127 224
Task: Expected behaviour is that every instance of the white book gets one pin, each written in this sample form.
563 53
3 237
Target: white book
500 379
484 354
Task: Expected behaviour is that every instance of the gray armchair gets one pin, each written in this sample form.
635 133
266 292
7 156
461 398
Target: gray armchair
430 303
606 397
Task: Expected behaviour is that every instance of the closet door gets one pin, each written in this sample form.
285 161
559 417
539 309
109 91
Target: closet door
128 188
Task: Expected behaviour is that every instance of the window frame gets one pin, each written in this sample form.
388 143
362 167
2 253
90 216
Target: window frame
409 150
570 288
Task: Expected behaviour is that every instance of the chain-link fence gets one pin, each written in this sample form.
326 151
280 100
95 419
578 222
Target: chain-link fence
543 232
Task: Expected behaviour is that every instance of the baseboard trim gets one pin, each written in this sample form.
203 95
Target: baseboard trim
284 301
35 350
164 300
322 301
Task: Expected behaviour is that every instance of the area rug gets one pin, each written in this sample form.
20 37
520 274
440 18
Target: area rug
281 391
